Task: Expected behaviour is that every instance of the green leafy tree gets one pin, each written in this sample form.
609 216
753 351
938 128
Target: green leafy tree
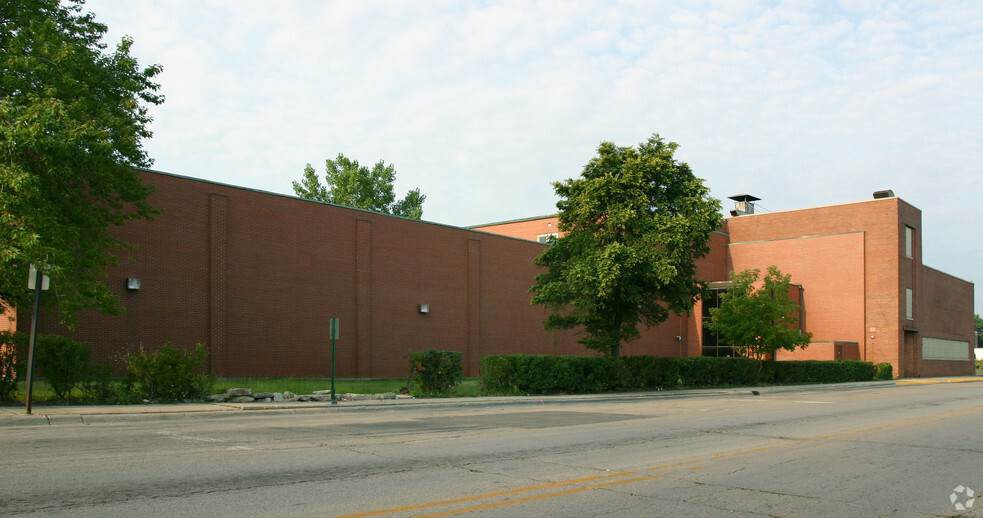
632 226
758 318
353 185
979 331
72 118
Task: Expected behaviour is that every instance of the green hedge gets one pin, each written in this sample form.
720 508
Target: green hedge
545 374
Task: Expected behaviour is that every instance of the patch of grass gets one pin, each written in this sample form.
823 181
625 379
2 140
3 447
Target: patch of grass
41 393
469 387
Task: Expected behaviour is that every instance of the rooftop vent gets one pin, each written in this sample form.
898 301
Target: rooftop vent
883 194
743 204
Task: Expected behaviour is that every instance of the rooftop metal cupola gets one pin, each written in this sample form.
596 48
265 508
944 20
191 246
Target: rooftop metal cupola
743 204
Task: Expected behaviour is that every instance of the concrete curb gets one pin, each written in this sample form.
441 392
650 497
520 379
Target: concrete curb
84 415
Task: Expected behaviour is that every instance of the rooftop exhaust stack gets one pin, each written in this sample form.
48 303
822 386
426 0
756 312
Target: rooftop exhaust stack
744 204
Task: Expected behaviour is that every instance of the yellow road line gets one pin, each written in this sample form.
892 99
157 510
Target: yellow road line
539 497
483 496
815 441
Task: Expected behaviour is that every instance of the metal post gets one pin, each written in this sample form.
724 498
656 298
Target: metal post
34 338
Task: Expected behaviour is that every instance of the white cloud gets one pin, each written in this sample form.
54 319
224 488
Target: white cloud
482 105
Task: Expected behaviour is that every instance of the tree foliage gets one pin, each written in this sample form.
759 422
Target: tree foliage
759 318
632 226
72 118
979 330
350 184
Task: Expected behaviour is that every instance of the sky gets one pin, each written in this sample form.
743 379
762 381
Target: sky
482 105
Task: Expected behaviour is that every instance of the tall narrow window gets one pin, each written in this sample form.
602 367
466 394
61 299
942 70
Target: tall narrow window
712 343
909 242
909 310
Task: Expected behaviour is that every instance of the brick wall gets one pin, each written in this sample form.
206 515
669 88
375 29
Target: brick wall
257 276
948 301
529 228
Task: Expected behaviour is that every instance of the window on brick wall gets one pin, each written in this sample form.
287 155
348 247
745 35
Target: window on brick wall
909 242
712 343
909 304
547 239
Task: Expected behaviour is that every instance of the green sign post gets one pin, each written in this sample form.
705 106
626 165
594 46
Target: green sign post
334 336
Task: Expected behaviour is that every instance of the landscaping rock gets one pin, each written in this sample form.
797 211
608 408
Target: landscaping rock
246 395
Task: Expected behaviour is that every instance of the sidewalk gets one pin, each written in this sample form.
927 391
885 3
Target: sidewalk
88 414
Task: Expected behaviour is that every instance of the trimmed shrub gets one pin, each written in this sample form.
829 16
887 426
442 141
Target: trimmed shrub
63 362
435 372
816 371
886 372
168 373
547 374
653 372
708 371
10 366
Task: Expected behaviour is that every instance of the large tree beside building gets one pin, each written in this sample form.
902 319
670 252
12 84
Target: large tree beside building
353 185
756 315
979 330
632 227
72 120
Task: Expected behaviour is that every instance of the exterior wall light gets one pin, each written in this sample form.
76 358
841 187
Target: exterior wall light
133 283
424 308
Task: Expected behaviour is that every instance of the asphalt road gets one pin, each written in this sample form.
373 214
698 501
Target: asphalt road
834 450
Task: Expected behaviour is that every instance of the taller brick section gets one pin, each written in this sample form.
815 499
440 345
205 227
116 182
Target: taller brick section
856 263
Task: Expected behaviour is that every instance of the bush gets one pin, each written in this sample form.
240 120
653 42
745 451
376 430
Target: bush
10 367
886 372
63 362
708 371
546 374
653 372
168 373
816 371
435 372
99 386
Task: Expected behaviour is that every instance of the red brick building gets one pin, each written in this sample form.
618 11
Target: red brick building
257 276
864 292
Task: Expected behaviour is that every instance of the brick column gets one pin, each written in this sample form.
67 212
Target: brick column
473 351
218 250
363 298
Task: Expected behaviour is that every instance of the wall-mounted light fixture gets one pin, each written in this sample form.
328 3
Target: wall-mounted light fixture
133 283
424 308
